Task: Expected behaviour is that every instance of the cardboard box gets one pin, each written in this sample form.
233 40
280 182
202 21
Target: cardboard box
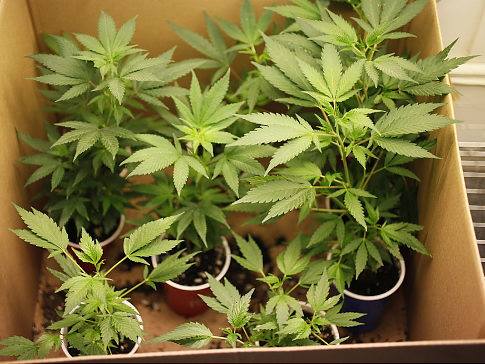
445 294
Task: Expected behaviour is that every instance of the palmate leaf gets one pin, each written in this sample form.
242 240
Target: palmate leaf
19 347
317 294
249 33
304 9
91 251
291 261
170 267
214 48
402 233
87 134
203 121
331 82
238 315
411 119
333 29
323 232
277 128
383 17
273 191
127 326
402 147
226 294
354 207
43 231
396 67
161 155
144 240
192 334
252 258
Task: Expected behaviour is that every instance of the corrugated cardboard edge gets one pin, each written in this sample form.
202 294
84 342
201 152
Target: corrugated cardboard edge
453 278
471 351
426 288
20 105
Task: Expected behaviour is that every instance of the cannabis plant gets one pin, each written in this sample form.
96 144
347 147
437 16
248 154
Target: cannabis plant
247 39
281 321
100 88
354 126
79 193
205 171
95 318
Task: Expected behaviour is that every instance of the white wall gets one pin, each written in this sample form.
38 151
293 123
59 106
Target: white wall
465 19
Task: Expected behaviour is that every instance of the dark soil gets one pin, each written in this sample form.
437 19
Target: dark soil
245 280
124 347
53 304
326 333
210 261
374 283
95 231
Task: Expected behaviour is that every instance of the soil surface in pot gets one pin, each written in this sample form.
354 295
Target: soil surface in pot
245 280
124 347
95 231
210 261
374 283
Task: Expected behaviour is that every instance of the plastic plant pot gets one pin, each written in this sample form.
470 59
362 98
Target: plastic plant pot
64 345
306 308
185 300
371 306
111 238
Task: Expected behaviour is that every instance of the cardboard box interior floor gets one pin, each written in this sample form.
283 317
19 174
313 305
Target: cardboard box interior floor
445 295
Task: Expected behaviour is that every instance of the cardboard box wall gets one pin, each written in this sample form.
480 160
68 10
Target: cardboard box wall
446 294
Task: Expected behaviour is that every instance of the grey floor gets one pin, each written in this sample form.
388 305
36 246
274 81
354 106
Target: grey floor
470 109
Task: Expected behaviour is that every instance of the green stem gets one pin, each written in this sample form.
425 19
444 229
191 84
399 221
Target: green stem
134 287
328 210
373 171
66 253
117 264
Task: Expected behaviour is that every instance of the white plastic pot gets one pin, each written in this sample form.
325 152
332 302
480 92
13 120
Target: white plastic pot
133 351
402 273
111 238
372 306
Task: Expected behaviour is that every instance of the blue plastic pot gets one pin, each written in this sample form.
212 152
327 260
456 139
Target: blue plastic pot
372 306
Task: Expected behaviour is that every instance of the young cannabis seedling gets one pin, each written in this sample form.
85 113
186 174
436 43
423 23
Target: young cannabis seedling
95 316
206 173
282 321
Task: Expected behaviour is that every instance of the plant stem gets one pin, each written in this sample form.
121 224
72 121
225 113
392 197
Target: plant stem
115 265
245 333
134 287
328 187
66 253
224 339
328 210
366 180
319 338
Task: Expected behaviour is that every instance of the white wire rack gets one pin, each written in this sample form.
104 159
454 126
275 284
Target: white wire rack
473 162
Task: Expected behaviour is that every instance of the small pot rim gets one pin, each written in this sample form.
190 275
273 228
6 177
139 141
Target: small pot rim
201 287
111 238
306 307
132 351
402 272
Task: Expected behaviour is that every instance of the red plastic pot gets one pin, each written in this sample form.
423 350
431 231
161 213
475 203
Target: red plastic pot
185 300
88 267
